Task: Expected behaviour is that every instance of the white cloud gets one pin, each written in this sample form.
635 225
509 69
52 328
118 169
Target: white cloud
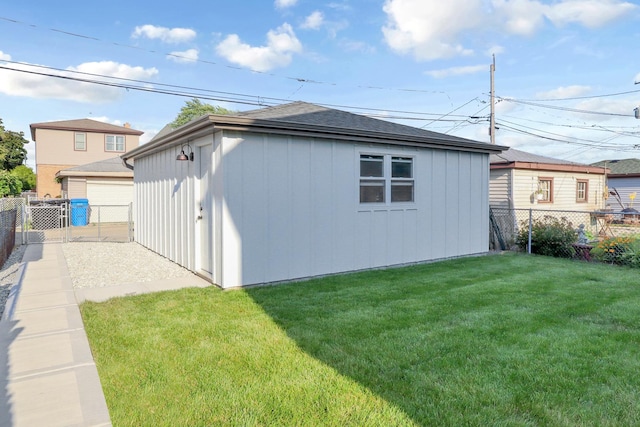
524 17
434 29
4 56
16 83
590 13
564 92
521 17
609 106
188 56
313 21
167 35
637 79
283 4
458 71
282 43
429 29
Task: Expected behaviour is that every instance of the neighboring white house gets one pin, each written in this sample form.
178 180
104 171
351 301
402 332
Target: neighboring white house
300 190
522 180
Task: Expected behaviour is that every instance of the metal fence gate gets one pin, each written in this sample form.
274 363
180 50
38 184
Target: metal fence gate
45 223
58 221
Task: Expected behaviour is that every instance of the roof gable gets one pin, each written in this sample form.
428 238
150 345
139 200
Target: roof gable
83 125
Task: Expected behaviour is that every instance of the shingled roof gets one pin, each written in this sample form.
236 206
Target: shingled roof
518 159
113 167
316 115
305 119
624 167
83 125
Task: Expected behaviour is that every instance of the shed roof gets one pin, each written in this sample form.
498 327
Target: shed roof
623 167
113 167
517 159
83 125
305 119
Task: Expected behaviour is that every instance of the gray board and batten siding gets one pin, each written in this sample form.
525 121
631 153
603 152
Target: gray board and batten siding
274 195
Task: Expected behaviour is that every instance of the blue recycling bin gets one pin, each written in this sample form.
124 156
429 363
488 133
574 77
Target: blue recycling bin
79 211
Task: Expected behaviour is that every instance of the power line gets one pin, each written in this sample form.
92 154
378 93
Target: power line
232 67
191 92
572 110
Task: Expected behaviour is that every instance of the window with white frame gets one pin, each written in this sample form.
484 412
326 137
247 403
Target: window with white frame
114 143
80 143
386 178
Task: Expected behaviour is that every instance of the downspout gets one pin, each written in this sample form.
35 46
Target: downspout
124 162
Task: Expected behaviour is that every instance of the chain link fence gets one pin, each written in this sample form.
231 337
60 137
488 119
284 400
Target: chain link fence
61 220
605 236
105 223
7 233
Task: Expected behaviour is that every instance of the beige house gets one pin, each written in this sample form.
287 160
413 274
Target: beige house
68 143
522 180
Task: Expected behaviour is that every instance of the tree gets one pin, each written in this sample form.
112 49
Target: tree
26 176
12 151
10 185
194 109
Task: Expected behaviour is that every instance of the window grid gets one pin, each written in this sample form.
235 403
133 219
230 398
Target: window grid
80 141
545 185
582 190
114 143
386 178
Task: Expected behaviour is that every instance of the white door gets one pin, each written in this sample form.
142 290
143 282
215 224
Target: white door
205 217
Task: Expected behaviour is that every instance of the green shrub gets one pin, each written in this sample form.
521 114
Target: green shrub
550 236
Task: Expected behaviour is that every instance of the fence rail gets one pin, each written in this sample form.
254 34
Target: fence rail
608 236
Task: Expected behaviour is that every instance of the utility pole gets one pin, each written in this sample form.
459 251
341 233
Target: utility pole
492 125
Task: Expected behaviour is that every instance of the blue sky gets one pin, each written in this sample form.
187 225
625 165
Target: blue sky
564 81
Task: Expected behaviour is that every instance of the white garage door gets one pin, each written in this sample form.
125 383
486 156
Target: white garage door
109 199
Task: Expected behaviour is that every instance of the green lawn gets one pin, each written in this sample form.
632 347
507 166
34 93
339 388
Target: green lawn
497 340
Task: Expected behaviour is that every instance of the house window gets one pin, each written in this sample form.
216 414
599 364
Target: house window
582 191
114 143
545 186
80 143
385 177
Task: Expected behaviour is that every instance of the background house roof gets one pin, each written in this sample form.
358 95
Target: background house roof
621 167
517 159
83 125
109 167
512 155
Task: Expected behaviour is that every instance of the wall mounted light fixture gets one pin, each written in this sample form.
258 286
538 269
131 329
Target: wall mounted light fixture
184 156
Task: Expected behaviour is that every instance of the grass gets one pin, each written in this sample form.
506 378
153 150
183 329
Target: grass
498 340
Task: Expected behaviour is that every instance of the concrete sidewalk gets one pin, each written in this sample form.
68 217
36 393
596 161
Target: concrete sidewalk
47 373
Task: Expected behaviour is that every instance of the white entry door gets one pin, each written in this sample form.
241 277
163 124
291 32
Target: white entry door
205 218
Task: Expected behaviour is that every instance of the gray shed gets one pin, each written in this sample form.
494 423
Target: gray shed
300 190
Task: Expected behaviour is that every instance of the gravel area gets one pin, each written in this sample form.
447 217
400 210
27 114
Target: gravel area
9 273
101 264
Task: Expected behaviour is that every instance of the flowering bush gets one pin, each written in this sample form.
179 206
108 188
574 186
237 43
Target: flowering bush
618 250
550 236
